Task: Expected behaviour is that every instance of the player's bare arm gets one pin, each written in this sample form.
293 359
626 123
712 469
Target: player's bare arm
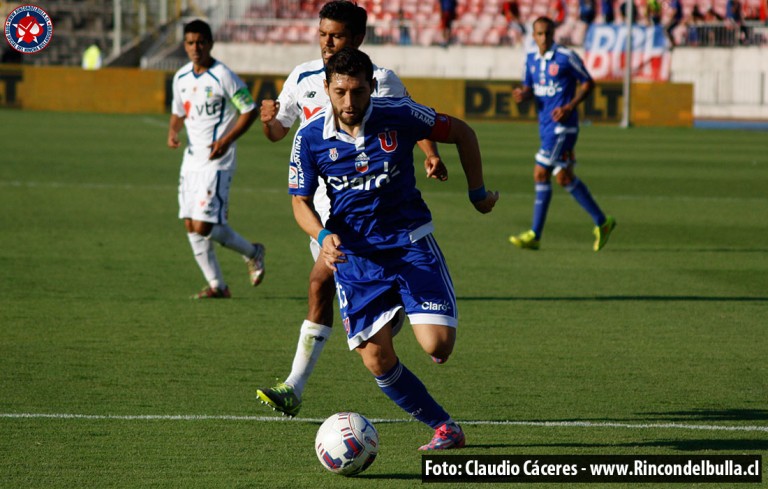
582 91
468 147
174 128
269 123
521 94
308 220
433 163
221 145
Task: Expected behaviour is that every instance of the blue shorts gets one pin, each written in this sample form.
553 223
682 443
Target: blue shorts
557 148
412 281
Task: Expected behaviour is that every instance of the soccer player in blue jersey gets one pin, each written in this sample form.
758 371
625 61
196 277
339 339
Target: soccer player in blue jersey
555 76
378 238
342 24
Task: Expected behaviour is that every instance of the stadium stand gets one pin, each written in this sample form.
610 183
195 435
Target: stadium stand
482 22
79 23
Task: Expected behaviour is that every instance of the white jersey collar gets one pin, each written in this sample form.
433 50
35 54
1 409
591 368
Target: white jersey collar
548 55
330 131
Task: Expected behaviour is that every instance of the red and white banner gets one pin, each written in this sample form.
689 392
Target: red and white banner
605 55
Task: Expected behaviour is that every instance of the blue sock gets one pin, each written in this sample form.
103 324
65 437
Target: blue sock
408 392
540 207
580 192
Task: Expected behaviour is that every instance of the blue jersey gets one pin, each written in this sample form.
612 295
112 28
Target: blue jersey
370 179
553 77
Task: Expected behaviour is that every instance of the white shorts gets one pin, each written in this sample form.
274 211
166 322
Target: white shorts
204 194
314 248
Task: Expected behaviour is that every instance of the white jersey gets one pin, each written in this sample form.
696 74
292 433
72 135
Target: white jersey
303 95
210 104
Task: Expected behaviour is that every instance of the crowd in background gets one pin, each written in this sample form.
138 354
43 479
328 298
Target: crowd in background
506 22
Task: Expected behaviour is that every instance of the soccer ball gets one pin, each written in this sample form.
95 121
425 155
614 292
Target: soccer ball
347 443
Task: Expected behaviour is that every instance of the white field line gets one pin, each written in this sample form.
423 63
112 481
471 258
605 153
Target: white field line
424 187
270 419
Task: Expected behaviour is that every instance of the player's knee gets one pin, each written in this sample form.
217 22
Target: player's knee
201 227
441 352
541 175
564 179
439 348
379 364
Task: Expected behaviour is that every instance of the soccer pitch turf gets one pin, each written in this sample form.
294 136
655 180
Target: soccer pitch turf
111 377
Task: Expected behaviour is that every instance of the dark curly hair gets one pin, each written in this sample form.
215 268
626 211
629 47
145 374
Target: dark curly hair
199 27
349 61
347 13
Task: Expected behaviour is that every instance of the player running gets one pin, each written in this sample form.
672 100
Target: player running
378 238
342 24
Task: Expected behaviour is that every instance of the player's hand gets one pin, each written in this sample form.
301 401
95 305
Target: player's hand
518 95
269 110
560 114
218 149
330 251
486 205
436 168
173 141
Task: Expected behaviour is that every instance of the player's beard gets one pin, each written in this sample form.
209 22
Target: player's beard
351 119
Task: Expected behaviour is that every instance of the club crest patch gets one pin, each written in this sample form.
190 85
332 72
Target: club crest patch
28 29
361 163
554 69
333 154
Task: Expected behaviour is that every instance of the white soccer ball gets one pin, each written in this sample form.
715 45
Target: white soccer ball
346 443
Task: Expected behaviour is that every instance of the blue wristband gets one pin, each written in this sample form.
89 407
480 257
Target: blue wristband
477 194
321 236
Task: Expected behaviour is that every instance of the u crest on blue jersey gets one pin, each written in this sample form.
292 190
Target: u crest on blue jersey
554 68
388 141
361 163
333 154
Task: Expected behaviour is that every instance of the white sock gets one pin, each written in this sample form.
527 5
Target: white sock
205 256
227 237
312 339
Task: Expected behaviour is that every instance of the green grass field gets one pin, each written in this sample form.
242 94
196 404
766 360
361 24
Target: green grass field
111 377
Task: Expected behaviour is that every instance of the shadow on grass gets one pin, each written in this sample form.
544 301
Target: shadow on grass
711 415
400 476
681 416
619 298
732 445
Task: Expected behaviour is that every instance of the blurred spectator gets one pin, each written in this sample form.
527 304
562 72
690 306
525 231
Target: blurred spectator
623 12
697 34
403 27
587 11
753 12
447 16
712 16
511 11
676 15
606 10
653 11
734 18
92 57
558 11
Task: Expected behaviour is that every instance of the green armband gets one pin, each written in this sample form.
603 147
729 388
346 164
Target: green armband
242 99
